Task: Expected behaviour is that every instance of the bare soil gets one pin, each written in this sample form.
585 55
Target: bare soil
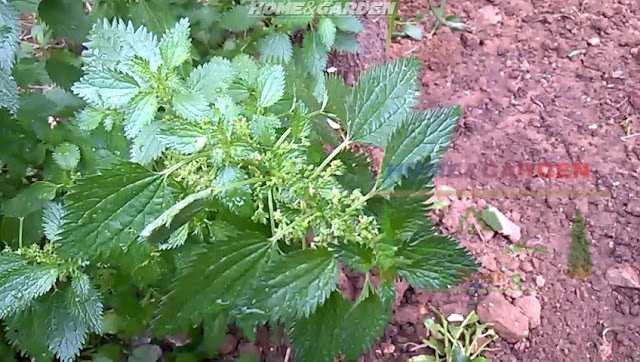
540 81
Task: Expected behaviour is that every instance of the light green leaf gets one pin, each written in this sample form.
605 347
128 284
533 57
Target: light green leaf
65 18
176 239
327 32
139 113
315 54
381 100
237 19
67 156
295 284
21 285
175 46
421 136
245 67
52 220
276 47
430 261
31 199
110 43
9 34
146 353
215 279
8 92
83 302
183 137
106 89
192 106
347 23
89 118
147 146
413 31
271 85
106 212
346 42
212 78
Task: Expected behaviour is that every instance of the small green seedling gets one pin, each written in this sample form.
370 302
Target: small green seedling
452 342
410 27
451 21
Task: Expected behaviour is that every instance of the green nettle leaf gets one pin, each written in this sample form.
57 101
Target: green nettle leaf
212 78
67 156
182 137
295 284
237 199
52 220
381 99
25 331
315 53
271 85
19 286
106 212
213 281
140 113
66 18
110 43
327 32
31 199
245 68
147 146
63 67
431 261
347 23
346 42
421 135
176 239
276 47
89 118
192 106
237 19
106 89
9 33
357 257
84 303
175 46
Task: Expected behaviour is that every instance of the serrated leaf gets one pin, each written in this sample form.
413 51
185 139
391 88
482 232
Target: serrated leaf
192 106
357 257
276 47
10 261
139 113
315 53
67 156
175 46
347 23
106 89
65 18
106 212
30 199
421 136
271 85
237 19
24 330
8 92
176 239
9 34
327 32
245 68
430 261
215 279
295 284
147 146
212 78
83 302
346 42
20 286
52 220
182 137
89 118
381 99
237 199
110 43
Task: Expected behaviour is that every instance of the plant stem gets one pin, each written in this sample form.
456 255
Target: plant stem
193 157
20 233
331 156
271 221
282 138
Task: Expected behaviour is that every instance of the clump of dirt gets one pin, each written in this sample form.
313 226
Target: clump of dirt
541 81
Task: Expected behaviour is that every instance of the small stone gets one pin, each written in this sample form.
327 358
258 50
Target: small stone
530 306
536 263
508 321
514 265
540 281
595 41
527 267
389 348
228 344
513 293
635 310
488 261
633 207
623 275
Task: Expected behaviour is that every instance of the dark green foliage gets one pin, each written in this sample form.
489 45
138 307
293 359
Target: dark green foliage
579 264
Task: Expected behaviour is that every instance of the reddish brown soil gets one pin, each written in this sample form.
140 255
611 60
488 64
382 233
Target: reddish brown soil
535 90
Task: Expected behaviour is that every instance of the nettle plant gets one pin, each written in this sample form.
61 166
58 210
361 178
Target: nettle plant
215 200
